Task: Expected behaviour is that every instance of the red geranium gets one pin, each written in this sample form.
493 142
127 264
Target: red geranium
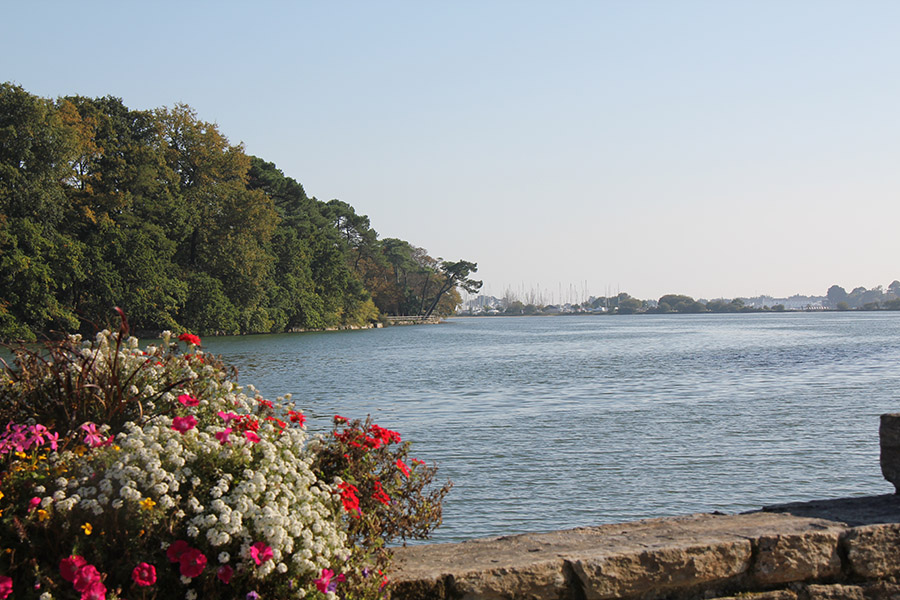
190 338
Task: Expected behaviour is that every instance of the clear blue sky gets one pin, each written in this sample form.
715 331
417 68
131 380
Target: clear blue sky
707 148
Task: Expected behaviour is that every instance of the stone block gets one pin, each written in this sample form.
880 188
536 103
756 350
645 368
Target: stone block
660 572
806 556
770 595
889 435
832 592
873 551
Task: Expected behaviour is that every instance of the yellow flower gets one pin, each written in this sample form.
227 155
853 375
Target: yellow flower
43 515
20 454
87 528
147 503
1 495
80 449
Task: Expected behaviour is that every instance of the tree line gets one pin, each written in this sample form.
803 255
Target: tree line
156 212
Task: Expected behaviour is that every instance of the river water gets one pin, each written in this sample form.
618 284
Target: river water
557 422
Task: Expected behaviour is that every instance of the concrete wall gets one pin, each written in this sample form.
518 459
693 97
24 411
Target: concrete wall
831 549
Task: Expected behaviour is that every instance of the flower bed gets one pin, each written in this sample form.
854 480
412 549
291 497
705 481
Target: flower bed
130 473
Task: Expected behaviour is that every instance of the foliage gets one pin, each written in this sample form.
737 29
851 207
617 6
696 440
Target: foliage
157 212
386 495
150 473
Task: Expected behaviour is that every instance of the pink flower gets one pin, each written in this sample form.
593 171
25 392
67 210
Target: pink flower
222 436
176 549
323 581
190 338
144 574
92 436
68 567
53 438
260 552
251 436
192 563
188 400
85 576
224 574
34 503
227 416
94 591
5 587
184 424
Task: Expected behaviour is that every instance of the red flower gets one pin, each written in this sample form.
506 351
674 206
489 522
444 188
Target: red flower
251 436
338 419
190 338
144 574
184 424
225 573
192 562
85 576
188 400
264 402
297 417
380 495
94 591
349 498
403 468
176 549
68 567
385 435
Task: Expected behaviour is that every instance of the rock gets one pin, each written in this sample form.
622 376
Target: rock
889 434
873 551
791 557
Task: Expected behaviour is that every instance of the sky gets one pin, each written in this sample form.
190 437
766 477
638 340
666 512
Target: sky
708 148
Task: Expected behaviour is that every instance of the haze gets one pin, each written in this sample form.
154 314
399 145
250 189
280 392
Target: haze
715 149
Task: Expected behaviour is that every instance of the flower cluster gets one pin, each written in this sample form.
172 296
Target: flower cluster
127 472
204 477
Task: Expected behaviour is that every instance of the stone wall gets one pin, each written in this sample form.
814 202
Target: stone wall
831 549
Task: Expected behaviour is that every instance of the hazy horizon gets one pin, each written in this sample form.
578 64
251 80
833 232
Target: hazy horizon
702 148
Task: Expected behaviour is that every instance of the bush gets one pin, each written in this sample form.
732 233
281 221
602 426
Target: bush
149 473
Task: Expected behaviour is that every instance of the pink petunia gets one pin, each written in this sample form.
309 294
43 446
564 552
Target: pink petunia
184 424
6 585
192 562
225 573
222 436
94 591
227 416
68 567
251 436
260 552
144 574
188 400
176 549
85 576
323 581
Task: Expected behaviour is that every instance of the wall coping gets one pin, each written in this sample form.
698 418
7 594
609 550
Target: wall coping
847 541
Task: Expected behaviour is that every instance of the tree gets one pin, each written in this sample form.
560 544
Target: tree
455 274
836 294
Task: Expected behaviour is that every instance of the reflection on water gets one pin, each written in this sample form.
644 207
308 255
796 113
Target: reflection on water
548 423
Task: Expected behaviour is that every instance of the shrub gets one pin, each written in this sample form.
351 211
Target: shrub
150 473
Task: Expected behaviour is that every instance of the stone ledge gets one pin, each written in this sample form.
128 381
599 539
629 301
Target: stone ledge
809 550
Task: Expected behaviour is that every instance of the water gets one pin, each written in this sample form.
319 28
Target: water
558 422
